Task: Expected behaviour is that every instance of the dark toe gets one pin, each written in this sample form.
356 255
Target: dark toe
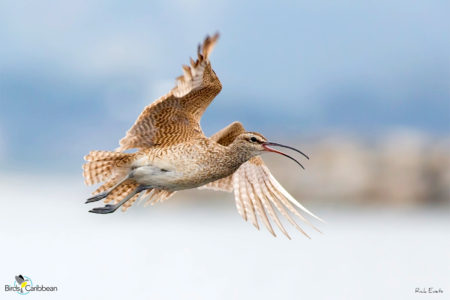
96 198
107 209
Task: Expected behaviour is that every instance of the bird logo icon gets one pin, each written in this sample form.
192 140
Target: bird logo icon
22 282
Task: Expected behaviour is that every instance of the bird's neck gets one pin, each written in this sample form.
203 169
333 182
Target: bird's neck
238 154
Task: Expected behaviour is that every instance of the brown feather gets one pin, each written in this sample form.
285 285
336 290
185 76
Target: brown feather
174 118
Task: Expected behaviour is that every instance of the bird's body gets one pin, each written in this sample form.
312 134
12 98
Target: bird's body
173 154
186 165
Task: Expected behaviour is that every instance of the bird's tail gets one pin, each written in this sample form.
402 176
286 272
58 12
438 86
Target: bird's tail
105 166
112 169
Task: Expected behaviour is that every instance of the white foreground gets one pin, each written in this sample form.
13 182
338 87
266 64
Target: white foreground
203 250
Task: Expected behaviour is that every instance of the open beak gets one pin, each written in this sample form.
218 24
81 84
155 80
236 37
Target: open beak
267 144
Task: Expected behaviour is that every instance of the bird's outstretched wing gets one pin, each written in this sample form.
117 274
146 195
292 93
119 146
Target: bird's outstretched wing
174 118
256 191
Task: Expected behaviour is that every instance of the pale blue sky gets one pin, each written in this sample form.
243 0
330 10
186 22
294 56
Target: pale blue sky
74 75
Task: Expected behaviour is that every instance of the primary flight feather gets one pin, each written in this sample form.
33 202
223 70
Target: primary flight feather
174 154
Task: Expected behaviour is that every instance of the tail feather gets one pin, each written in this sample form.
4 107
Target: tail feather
121 192
95 172
111 168
108 184
100 166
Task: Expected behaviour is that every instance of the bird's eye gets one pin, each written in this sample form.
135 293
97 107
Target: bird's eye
253 139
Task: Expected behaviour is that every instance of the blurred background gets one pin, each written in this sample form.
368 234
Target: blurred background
363 87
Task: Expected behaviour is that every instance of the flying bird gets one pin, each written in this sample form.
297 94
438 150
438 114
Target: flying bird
173 153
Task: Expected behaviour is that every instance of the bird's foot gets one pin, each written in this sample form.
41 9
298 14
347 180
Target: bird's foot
107 209
97 197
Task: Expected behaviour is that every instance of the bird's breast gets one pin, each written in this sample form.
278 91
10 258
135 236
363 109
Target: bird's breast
183 166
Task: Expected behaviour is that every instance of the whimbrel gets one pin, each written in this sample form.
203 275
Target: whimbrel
174 154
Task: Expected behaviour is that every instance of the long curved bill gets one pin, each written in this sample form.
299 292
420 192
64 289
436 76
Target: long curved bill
267 144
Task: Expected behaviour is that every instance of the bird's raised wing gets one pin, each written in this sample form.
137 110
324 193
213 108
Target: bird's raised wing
256 191
175 117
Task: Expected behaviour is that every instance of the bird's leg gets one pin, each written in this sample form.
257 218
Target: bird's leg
109 208
105 194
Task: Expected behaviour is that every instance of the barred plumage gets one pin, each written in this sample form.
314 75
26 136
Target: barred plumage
101 165
174 154
121 191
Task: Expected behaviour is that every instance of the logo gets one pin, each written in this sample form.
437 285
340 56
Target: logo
23 285
22 282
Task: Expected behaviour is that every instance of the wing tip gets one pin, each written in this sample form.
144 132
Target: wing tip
293 200
208 45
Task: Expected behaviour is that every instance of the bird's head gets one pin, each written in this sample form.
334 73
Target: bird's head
253 144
